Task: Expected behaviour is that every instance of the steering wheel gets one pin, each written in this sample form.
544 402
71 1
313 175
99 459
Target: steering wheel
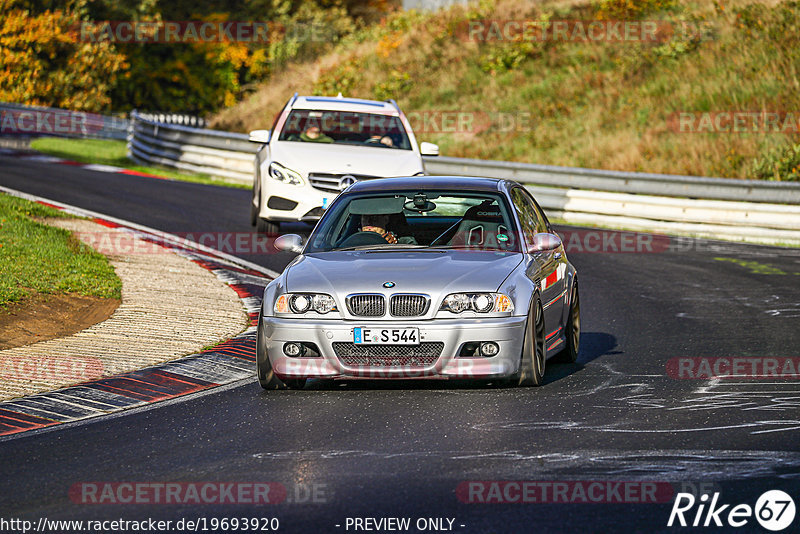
378 141
363 238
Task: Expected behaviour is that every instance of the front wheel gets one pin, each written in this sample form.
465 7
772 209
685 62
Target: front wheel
255 208
532 360
264 226
295 383
573 331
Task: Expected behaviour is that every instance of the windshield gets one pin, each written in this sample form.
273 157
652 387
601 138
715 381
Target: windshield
345 128
417 220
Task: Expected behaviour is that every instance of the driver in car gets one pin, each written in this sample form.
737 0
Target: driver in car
313 134
378 224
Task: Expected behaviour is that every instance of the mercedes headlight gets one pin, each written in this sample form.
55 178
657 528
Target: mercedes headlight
282 174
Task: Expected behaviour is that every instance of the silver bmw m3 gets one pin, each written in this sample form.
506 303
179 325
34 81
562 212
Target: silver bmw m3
424 278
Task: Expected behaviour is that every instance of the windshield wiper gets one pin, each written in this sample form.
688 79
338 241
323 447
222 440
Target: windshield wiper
359 247
467 247
389 247
415 248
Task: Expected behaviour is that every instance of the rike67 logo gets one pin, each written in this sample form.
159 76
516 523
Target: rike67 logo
774 510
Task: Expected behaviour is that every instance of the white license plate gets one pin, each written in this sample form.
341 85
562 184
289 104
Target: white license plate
385 336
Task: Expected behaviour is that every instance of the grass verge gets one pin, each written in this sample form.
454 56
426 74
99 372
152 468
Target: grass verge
36 258
604 104
113 152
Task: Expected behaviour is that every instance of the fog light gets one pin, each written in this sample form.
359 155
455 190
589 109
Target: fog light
489 348
293 350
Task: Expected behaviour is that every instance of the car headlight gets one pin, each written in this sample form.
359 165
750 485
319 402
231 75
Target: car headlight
305 302
282 174
477 302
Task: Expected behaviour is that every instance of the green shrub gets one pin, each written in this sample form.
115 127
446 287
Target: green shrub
782 164
394 87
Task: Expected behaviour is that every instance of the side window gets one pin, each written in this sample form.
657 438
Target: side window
540 216
527 214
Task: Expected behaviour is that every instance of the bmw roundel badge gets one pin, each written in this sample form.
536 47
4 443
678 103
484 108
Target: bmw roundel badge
388 284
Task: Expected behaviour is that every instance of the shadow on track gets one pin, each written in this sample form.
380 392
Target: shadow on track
593 345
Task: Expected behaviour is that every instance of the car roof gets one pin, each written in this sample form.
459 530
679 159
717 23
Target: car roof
457 183
340 103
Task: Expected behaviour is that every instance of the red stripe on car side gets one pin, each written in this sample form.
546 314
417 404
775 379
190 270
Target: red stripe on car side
551 334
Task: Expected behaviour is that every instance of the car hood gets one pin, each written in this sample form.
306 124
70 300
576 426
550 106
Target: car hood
434 273
343 159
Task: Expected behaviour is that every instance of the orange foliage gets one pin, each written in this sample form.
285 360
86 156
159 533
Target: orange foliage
42 62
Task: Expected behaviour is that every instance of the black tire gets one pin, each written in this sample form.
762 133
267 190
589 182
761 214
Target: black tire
533 357
264 226
573 332
255 208
295 383
266 376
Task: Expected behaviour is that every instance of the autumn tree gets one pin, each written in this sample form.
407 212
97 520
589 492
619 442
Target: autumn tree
43 62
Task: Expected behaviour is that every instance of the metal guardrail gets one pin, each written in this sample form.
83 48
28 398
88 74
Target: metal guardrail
622 182
753 222
219 154
182 119
35 121
744 210
757 211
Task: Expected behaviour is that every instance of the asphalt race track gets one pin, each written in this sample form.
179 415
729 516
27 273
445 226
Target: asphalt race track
407 450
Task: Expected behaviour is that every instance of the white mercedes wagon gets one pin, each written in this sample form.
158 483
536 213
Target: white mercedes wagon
318 146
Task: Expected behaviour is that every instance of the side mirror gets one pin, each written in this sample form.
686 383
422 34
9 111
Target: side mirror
428 149
544 242
289 243
260 136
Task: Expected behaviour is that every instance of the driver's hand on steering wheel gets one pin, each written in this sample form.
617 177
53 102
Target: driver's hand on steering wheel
390 237
384 140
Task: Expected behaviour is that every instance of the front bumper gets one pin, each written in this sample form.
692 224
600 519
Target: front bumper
306 197
507 332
